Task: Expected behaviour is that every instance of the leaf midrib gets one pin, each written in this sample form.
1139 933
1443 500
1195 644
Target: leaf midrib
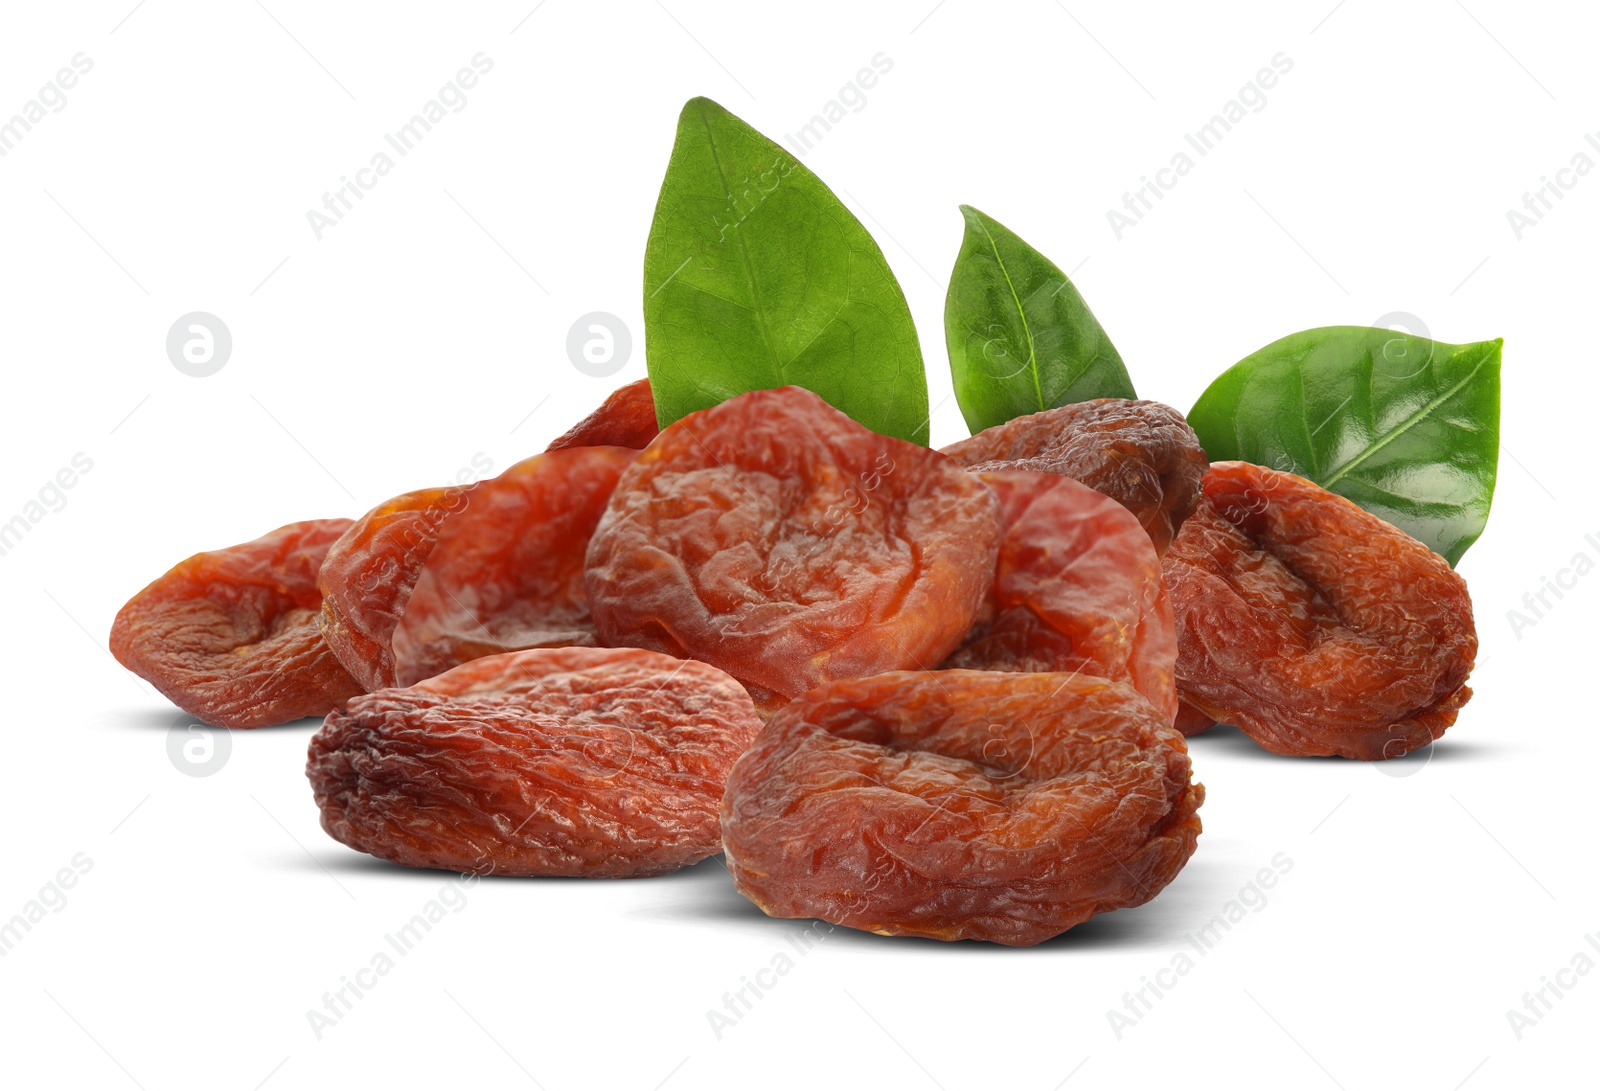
1405 425
1033 358
757 308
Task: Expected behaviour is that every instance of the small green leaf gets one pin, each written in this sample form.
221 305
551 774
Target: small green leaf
1406 427
756 276
1021 338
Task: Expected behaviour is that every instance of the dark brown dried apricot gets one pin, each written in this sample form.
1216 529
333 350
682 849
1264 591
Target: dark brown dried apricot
626 419
231 636
1312 625
1191 721
1077 587
598 762
774 537
961 805
1142 454
437 577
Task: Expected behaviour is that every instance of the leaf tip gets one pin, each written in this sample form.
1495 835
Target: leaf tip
701 106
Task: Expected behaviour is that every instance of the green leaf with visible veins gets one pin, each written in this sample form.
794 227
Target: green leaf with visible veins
1406 427
1021 339
756 276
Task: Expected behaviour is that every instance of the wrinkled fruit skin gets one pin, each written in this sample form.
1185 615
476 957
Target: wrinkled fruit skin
1314 626
438 577
961 805
231 636
1191 721
597 762
774 537
626 419
1077 587
1142 454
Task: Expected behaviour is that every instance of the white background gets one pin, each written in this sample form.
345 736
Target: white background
429 327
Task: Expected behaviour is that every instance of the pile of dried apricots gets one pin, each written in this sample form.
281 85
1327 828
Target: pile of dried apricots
915 692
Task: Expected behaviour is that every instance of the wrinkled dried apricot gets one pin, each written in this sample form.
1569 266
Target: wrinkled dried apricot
774 537
1191 721
1142 454
599 762
1312 625
437 577
1077 587
961 805
626 419
231 636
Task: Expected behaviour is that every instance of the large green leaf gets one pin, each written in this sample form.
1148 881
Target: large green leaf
1406 427
1021 339
756 276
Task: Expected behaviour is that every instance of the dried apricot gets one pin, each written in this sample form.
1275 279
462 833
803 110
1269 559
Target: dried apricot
774 537
1077 587
961 805
599 762
231 636
1312 625
1191 721
626 419
1142 454
437 577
